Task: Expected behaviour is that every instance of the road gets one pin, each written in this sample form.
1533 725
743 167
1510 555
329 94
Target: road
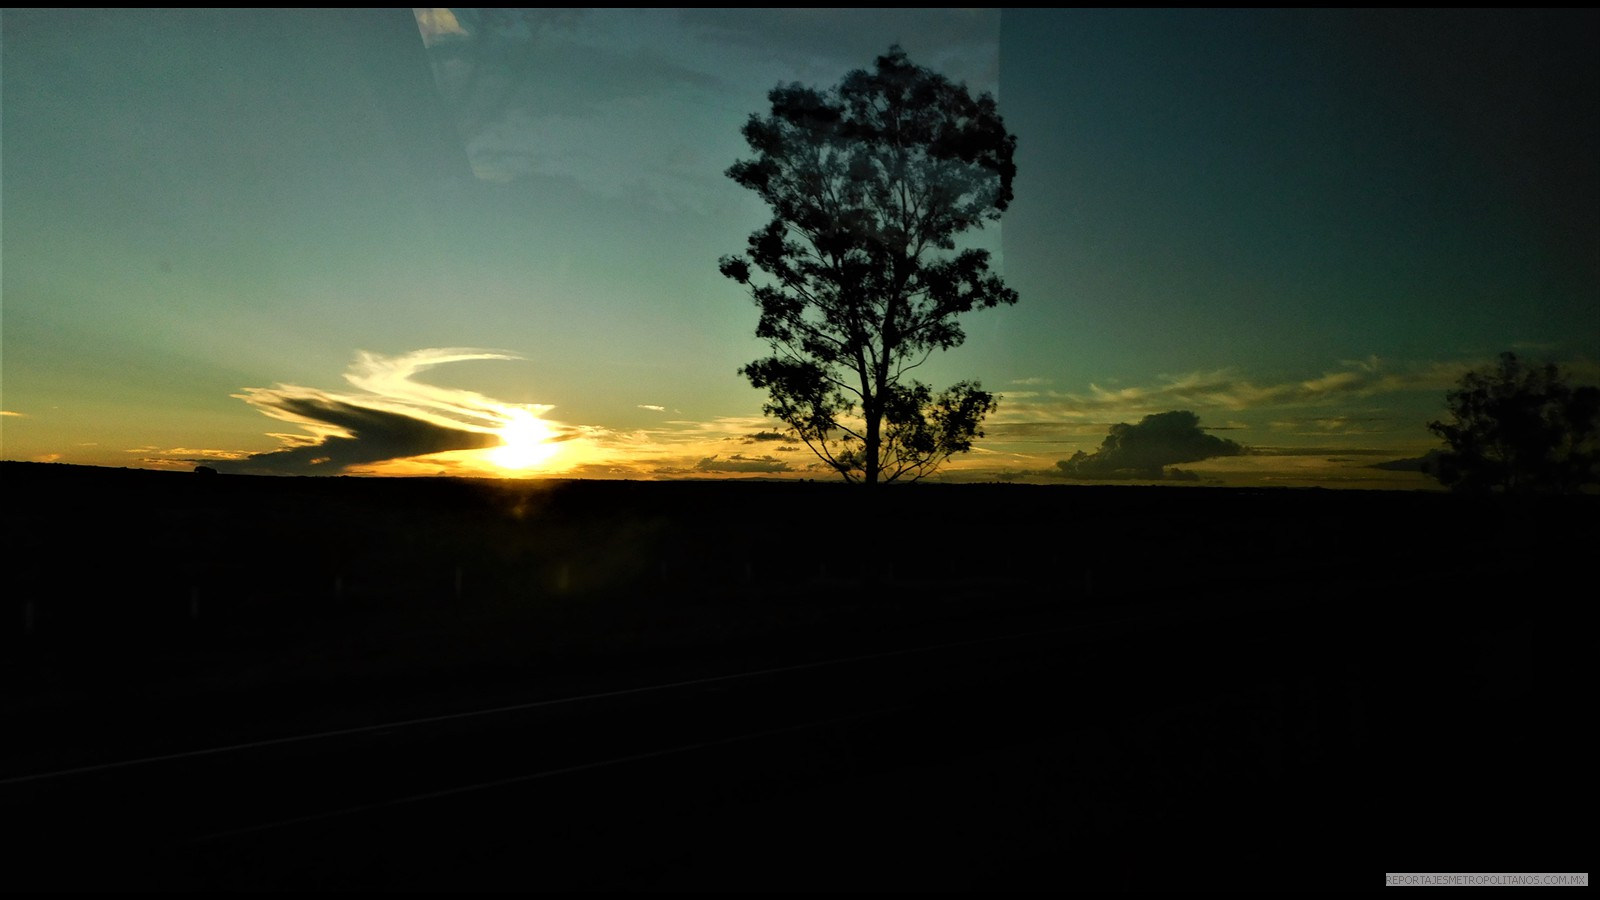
1158 746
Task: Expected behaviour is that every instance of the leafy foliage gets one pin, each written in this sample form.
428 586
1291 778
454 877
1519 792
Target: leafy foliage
1520 429
869 183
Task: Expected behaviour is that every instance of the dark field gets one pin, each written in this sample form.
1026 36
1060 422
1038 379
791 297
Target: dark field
1135 687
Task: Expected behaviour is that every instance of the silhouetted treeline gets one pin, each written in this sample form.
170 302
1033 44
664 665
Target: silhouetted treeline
109 549
1346 649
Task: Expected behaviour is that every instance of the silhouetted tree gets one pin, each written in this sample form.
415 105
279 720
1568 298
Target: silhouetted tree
868 181
1519 428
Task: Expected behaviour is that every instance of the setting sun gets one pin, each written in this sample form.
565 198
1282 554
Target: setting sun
525 442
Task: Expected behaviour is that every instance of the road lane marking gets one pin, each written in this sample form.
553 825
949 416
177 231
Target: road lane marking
382 728
536 776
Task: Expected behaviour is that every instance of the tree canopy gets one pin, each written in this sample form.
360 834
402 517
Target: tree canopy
857 276
1519 428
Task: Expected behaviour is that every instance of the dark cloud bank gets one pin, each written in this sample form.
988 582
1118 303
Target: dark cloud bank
375 435
740 463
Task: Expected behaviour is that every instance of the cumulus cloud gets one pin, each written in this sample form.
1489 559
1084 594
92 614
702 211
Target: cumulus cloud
1145 450
391 416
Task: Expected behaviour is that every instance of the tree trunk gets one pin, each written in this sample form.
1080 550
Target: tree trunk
874 444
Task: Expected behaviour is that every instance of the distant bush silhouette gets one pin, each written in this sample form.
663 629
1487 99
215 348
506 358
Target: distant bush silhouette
868 181
1519 428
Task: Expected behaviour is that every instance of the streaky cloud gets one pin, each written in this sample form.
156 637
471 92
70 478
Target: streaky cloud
761 436
393 416
740 463
1228 389
391 380
1427 463
365 435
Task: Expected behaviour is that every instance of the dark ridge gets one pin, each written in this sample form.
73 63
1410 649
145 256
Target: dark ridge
1326 654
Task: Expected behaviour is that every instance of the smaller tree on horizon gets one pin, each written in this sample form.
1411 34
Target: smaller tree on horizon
1518 428
857 275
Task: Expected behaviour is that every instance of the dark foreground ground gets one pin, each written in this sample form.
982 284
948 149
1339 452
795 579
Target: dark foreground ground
957 686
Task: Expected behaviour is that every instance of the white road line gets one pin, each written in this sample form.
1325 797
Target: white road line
535 776
1153 611
384 727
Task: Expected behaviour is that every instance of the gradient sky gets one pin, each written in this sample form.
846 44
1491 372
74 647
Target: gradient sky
473 242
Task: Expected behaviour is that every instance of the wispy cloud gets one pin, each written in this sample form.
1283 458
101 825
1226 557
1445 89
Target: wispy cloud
716 428
652 407
677 75
7 412
1331 424
1046 432
740 463
681 447
389 383
391 415
1228 389
192 454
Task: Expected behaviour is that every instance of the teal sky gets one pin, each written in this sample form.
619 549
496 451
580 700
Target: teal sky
380 241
